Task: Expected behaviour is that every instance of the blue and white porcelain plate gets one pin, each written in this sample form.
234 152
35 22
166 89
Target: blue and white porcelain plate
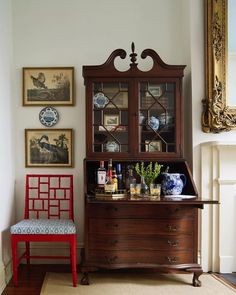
180 197
100 100
48 116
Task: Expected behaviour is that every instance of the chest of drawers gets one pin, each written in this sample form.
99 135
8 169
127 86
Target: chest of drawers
148 234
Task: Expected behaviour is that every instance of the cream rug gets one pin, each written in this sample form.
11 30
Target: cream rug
135 284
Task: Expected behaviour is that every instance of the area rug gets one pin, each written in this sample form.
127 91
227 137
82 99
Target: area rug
135 284
229 278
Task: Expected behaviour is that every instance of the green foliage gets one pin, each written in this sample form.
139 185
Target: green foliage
149 172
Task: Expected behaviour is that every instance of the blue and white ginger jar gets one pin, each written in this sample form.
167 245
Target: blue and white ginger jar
153 122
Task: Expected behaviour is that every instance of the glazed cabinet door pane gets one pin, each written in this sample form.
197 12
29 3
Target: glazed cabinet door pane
133 113
110 117
157 128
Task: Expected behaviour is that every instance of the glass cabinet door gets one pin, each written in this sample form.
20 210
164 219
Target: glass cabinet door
110 117
157 128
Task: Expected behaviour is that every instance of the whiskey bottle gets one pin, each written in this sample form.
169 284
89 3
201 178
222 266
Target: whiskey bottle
109 186
101 175
114 179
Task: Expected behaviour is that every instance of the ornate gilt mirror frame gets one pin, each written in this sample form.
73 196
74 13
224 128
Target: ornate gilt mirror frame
217 116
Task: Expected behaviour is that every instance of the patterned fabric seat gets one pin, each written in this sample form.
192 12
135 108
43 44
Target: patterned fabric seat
44 227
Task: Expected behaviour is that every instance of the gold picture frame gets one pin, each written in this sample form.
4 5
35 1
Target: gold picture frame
49 148
43 86
153 145
217 115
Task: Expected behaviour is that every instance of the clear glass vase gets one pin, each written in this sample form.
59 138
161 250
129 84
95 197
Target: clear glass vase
144 187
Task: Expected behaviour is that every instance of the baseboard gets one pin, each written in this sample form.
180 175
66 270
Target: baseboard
5 274
2 278
226 264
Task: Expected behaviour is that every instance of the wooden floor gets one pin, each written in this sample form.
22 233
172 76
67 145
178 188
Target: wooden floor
31 278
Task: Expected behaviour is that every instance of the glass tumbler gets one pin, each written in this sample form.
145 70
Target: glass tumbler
155 190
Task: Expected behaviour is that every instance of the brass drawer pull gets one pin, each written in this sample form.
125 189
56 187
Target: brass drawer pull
112 242
111 260
172 259
173 243
111 208
172 211
172 227
112 225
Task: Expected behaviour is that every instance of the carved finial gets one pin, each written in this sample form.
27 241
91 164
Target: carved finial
132 47
133 56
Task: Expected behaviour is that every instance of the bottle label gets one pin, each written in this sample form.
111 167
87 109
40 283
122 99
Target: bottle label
115 182
101 177
109 188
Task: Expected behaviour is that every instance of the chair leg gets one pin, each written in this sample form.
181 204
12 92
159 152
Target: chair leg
27 252
73 259
14 260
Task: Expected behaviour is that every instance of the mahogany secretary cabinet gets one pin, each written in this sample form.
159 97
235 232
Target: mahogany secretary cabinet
135 116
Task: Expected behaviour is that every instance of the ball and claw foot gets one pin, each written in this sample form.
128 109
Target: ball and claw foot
196 281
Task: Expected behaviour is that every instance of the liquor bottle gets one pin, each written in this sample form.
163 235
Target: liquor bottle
119 177
114 179
130 179
101 175
109 186
109 169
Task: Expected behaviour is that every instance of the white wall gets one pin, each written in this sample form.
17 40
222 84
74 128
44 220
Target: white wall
7 143
77 33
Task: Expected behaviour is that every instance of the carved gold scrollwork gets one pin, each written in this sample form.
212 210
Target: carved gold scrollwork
217 116
217 36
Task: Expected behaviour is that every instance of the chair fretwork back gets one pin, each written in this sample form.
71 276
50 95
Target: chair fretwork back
49 196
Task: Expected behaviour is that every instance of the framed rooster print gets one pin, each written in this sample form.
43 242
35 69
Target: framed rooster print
49 148
48 86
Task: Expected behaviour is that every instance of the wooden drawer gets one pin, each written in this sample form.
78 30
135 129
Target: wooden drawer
140 242
138 256
135 210
140 226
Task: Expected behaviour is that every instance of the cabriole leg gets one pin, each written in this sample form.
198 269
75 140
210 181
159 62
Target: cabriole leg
196 281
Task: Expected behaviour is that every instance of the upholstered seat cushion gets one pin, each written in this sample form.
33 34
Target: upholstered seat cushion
44 226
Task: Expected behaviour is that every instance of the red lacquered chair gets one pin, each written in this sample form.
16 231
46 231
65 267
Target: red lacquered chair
48 218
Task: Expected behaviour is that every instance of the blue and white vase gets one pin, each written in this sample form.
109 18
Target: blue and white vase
153 123
172 183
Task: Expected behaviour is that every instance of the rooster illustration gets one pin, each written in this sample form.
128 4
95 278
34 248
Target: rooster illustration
39 82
